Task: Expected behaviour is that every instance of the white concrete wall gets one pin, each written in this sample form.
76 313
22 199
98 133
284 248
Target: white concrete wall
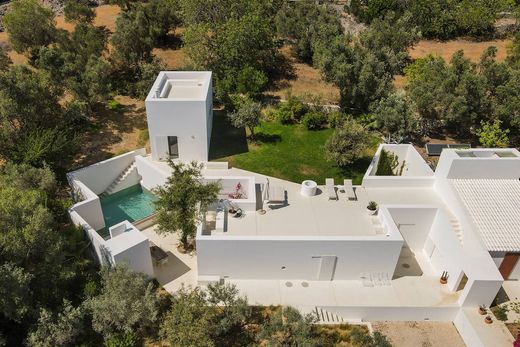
250 258
130 180
137 258
228 185
97 242
152 175
99 176
189 118
452 166
395 313
90 210
416 173
414 224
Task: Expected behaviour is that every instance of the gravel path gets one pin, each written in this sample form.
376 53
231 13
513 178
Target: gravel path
420 334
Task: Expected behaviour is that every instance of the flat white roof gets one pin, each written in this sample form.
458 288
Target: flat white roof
318 216
181 86
494 206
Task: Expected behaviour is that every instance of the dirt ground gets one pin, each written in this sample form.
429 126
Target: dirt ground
420 334
306 80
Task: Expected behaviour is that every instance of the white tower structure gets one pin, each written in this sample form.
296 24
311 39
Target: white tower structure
179 111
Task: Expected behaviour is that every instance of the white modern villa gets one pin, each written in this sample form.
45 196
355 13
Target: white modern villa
311 245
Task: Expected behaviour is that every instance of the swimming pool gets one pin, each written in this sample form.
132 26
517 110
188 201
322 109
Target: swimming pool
131 204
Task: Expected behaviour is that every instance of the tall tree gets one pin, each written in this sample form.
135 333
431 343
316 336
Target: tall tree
347 143
30 25
35 127
189 321
232 44
126 303
396 115
182 199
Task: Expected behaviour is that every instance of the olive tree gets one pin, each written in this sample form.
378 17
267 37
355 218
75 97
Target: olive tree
182 199
396 114
127 302
347 143
30 25
247 114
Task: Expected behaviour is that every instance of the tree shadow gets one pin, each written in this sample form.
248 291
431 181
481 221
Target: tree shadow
358 166
226 140
106 128
170 41
267 138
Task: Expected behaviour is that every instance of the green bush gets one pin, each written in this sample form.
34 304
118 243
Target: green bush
501 312
335 119
290 111
114 105
314 120
122 340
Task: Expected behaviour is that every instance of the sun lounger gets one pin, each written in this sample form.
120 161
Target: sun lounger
330 189
276 194
349 190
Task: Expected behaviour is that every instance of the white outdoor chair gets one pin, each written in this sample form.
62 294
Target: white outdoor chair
349 190
330 189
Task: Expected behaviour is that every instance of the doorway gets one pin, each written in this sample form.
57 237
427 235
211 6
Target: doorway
173 147
327 267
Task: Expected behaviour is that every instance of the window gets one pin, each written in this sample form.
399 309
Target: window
173 147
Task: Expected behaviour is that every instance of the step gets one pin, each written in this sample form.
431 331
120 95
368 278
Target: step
119 179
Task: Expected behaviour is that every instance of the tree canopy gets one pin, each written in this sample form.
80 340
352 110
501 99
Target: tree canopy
182 199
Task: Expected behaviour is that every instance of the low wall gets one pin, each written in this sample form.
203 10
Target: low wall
254 258
152 175
416 173
100 175
97 242
395 313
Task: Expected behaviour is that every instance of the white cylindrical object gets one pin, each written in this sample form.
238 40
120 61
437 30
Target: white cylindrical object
308 188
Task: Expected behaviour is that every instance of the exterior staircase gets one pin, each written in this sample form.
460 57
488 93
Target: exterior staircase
455 224
110 189
326 317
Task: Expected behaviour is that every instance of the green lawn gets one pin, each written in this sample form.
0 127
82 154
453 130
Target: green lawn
285 151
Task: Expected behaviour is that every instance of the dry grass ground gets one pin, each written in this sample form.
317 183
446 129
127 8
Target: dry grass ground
417 334
305 80
472 50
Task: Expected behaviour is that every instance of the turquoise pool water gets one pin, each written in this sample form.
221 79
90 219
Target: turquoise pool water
133 203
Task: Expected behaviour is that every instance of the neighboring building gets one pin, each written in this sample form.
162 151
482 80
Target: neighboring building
462 219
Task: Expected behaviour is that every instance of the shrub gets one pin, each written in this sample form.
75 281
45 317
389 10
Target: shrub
290 111
314 120
501 312
114 105
335 119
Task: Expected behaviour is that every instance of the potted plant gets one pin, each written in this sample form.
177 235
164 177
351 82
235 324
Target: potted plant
482 310
488 319
372 208
444 277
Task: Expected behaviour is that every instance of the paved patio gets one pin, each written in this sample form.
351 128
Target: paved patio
181 269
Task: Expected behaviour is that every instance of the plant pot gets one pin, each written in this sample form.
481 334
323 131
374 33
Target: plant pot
371 212
232 211
443 281
482 311
488 320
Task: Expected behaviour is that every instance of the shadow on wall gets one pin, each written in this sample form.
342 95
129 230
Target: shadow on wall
226 140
